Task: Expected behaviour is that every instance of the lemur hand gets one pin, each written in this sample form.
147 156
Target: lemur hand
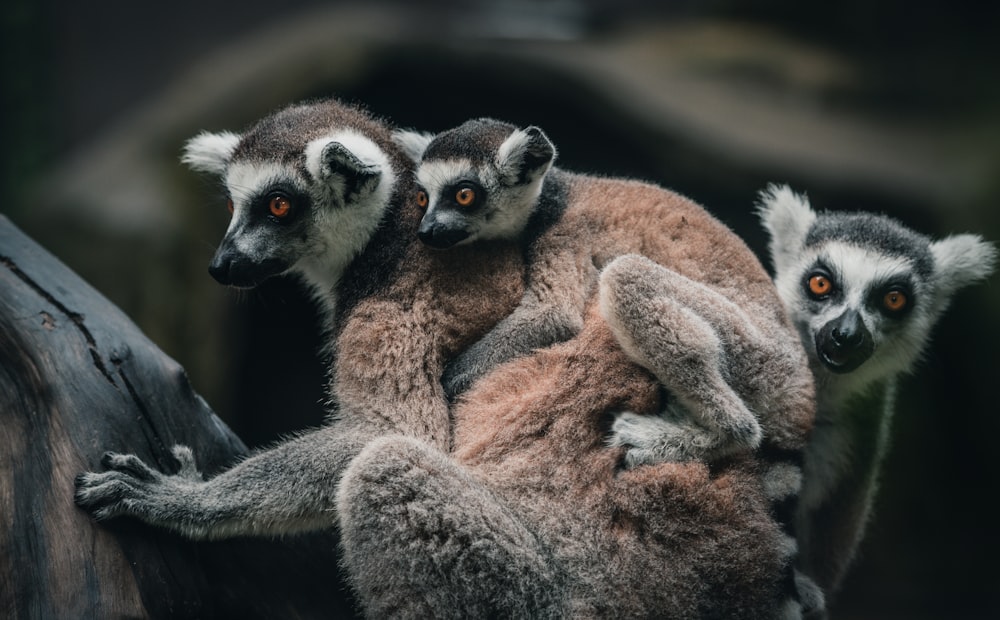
650 439
132 488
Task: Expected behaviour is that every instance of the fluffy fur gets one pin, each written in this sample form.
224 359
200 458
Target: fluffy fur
395 311
701 314
680 323
857 348
533 489
494 529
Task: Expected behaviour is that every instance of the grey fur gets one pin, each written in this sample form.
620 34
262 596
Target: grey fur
699 344
864 256
706 346
424 532
705 337
292 486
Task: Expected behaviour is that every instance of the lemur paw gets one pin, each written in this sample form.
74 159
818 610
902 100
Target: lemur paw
744 434
652 439
130 487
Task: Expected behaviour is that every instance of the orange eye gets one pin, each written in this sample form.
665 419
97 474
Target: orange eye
280 206
820 285
894 301
465 196
422 199
229 205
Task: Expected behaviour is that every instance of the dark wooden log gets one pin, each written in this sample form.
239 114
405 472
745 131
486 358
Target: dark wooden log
78 378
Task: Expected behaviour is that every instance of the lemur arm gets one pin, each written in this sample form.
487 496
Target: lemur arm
559 282
840 488
387 369
685 334
288 488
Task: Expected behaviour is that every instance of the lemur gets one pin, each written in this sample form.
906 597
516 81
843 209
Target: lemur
864 292
709 331
489 180
504 527
321 190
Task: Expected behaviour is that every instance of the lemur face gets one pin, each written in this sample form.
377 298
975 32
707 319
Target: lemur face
480 180
270 226
863 290
856 305
300 202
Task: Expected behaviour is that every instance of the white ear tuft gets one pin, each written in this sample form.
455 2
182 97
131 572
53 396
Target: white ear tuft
413 143
347 153
351 165
960 260
525 156
787 218
210 152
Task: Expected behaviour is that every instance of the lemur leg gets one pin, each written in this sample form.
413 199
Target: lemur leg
671 326
288 488
551 311
422 538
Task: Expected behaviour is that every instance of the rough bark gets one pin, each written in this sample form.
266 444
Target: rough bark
78 378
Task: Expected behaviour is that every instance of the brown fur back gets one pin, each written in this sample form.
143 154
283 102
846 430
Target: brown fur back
393 345
659 539
621 217
668 538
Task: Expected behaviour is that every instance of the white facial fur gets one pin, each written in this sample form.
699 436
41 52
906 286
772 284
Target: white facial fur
245 180
436 176
958 261
856 271
337 232
509 201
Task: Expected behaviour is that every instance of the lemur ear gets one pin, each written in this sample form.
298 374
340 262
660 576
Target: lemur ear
210 152
960 260
787 217
525 156
413 143
350 164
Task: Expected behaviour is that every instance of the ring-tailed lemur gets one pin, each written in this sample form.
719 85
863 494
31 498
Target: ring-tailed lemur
507 533
705 325
321 190
722 320
864 292
424 533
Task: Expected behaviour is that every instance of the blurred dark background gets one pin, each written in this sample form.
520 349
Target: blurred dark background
888 106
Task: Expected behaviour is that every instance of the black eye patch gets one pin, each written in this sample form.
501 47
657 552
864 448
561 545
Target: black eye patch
894 298
280 203
465 195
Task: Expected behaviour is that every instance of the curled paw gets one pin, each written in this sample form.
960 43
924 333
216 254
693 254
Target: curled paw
651 439
130 487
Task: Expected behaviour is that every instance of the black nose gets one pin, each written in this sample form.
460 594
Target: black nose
440 237
844 343
219 269
848 330
231 268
